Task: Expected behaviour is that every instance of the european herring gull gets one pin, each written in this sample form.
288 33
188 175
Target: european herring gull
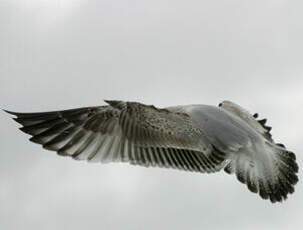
199 138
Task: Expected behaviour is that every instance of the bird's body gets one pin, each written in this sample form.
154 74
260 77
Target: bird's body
200 138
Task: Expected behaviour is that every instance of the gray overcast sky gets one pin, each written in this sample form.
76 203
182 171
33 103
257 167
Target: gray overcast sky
58 54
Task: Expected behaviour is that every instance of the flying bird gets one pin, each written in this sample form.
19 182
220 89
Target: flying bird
198 138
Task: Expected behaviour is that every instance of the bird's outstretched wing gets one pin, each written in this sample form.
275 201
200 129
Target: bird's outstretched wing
266 167
124 132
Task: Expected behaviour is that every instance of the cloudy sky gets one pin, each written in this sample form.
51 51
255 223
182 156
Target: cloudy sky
58 54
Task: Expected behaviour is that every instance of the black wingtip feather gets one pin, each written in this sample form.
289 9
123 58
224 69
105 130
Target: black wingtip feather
228 168
268 128
256 115
17 114
252 187
263 122
11 112
281 145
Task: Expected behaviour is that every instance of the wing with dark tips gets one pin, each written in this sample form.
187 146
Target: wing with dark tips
266 167
272 175
124 132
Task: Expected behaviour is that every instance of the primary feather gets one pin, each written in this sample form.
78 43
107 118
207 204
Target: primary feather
199 138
